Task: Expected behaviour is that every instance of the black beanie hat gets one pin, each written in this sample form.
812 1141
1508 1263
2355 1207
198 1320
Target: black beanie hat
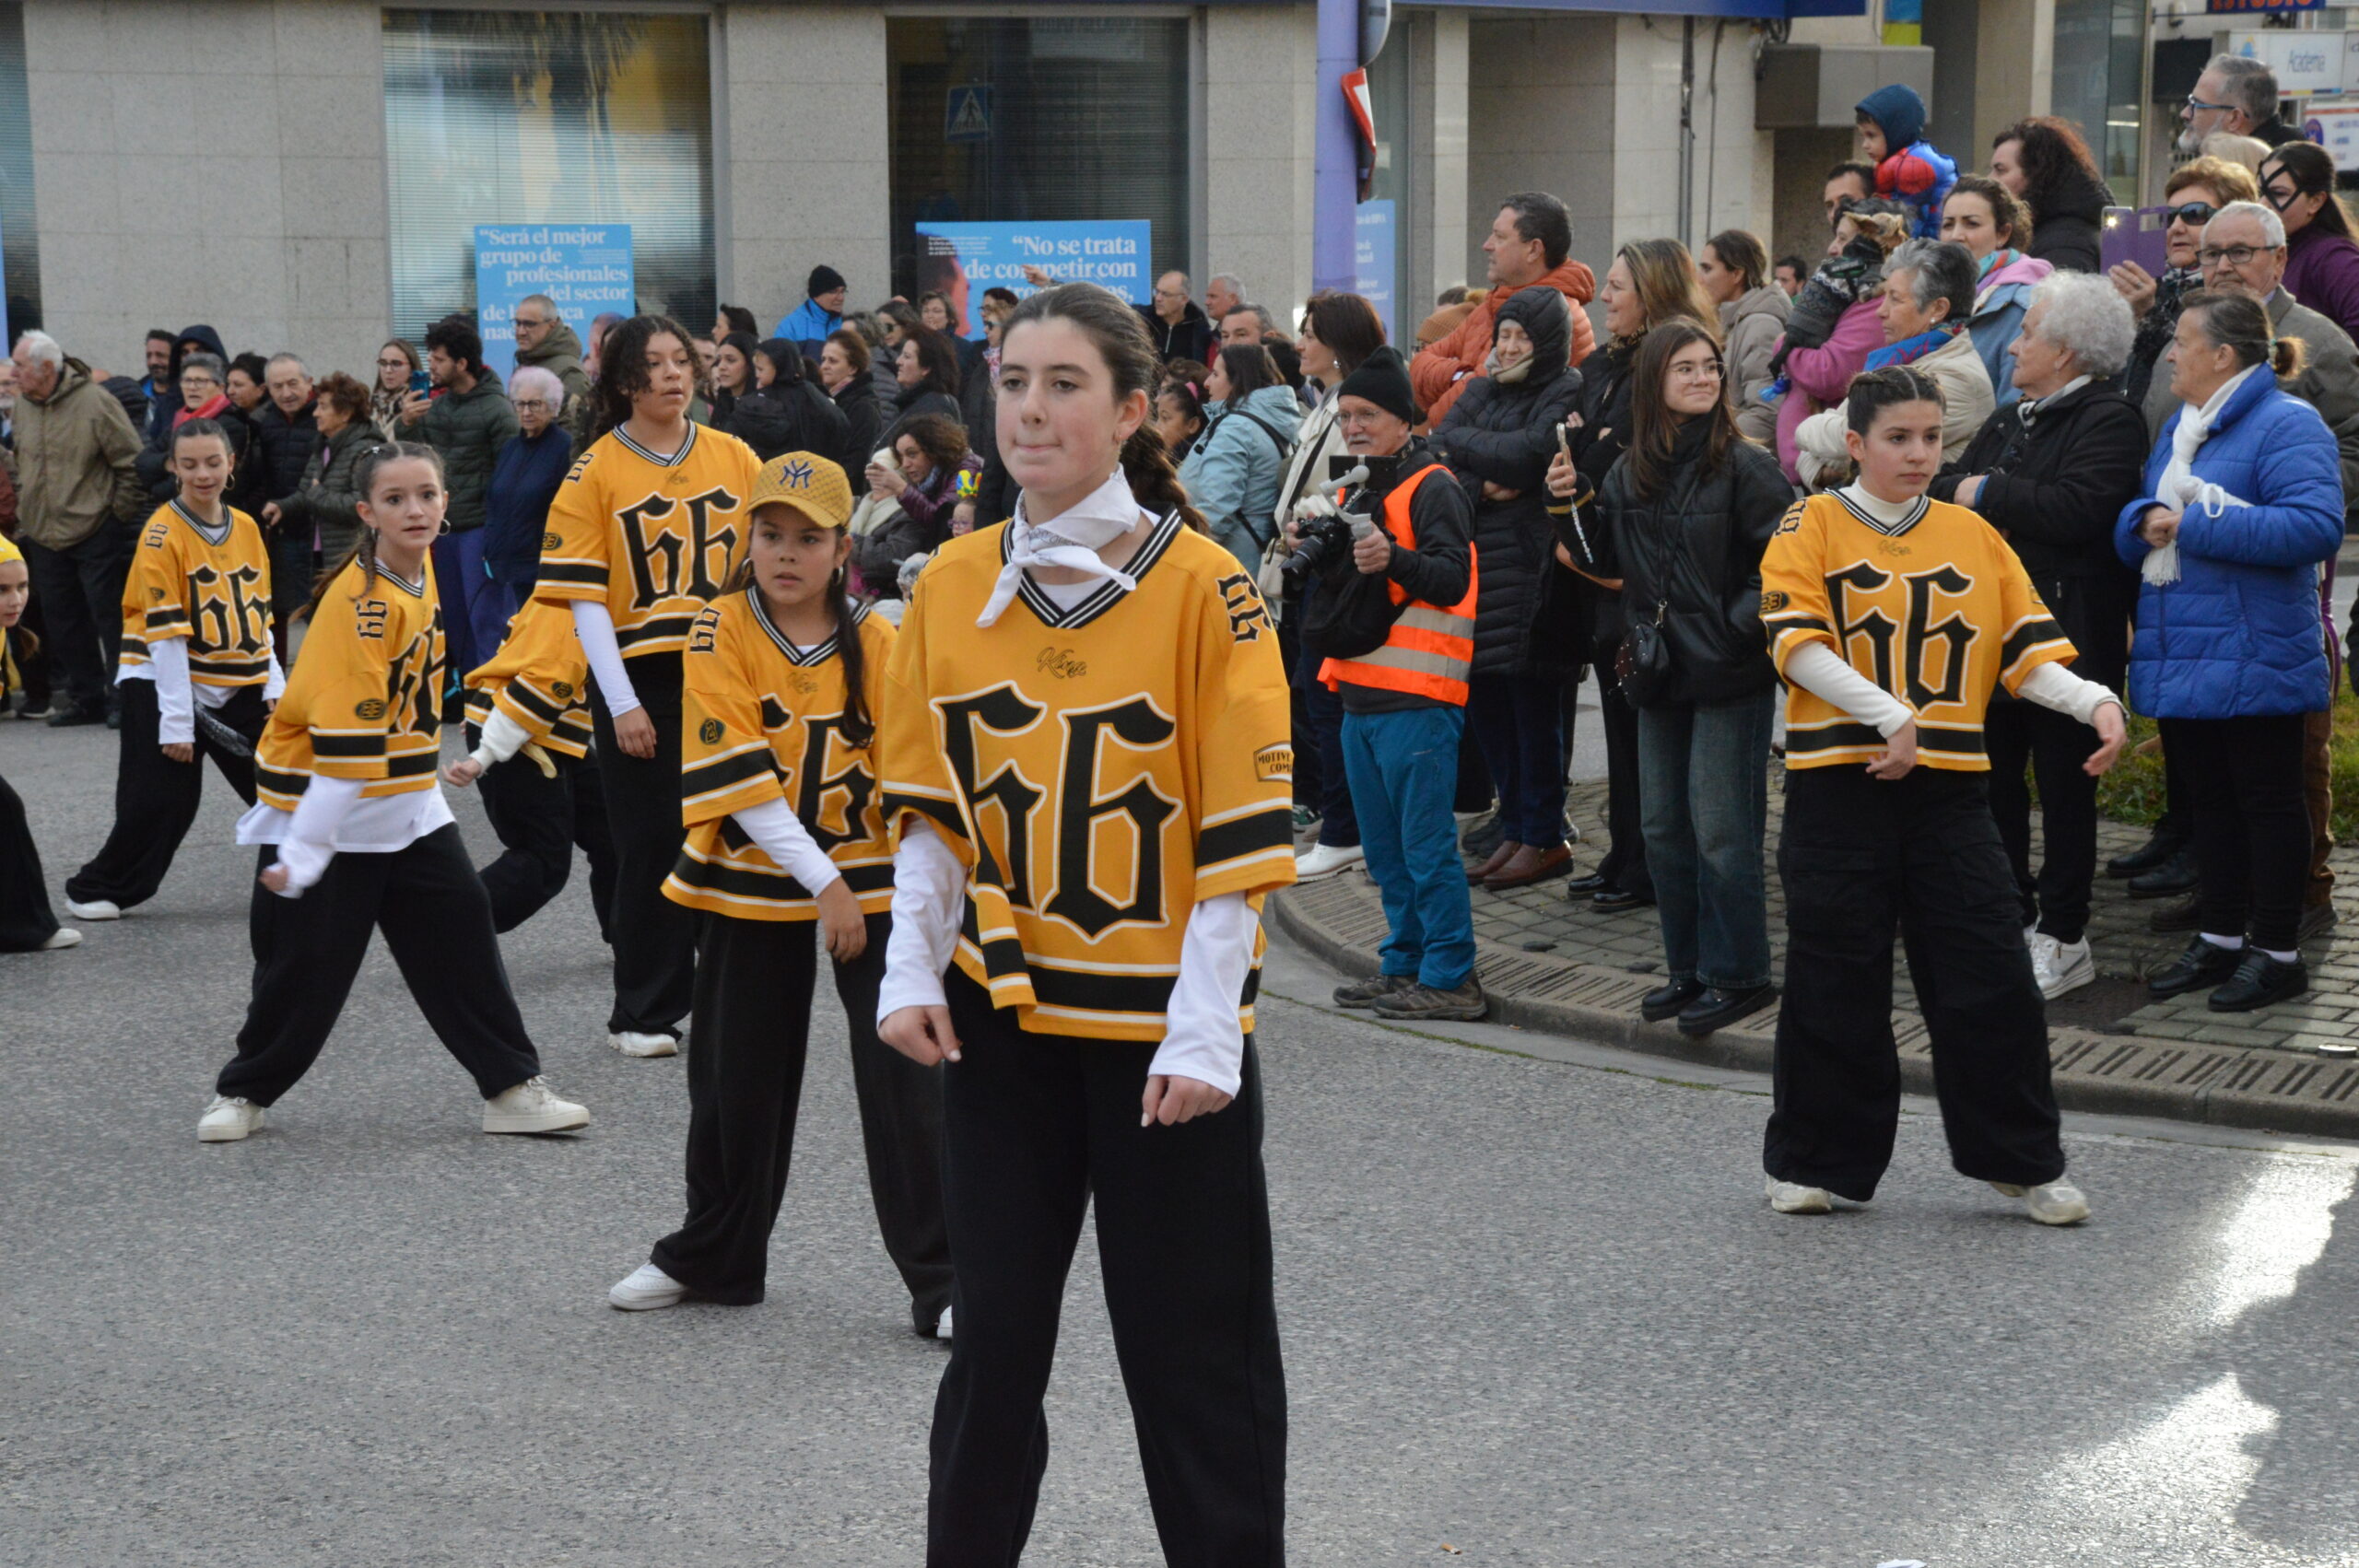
1383 380
825 279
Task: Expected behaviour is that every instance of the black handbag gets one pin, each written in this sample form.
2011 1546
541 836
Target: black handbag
1642 664
1348 615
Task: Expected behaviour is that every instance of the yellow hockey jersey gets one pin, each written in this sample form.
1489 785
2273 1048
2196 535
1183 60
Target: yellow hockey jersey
364 698
1935 609
211 585
539 679
761 721
653 540
1099 770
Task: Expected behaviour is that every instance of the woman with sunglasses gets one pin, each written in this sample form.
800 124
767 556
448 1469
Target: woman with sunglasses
2322 254
2195 192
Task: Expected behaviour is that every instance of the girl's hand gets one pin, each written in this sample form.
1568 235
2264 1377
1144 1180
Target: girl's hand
1174 1100
1492 491
1563 477
463 773
270 513
920 1033
1899 754
275 878
2160 526
2110 730
635 733
179 751
841 925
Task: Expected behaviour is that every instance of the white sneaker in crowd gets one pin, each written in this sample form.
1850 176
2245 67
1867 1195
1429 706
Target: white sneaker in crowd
645 1289
532 1107
227 1119
96 909
2061 967
64 936
2050 1204
1793 1197
1326 860
633 1044
941 1325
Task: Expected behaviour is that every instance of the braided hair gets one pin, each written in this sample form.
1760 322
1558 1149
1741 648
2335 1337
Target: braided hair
364 547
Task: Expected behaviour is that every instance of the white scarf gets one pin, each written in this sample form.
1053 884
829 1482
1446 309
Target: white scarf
1071 539
2178 487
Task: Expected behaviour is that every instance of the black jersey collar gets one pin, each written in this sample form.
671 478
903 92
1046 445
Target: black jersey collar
1909 519
658 458
819 654
1106 594
209 532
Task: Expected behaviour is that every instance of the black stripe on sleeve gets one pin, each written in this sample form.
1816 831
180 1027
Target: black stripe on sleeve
584 574
740 882
2028 635
1094 992
1948 743
1243 835
413 765
526 699
346 747
725 773
941 813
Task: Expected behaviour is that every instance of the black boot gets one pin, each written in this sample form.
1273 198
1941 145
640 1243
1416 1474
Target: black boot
2147 856
2174 875
1670 1000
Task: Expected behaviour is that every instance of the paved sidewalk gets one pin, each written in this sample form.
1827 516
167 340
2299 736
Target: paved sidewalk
1568 967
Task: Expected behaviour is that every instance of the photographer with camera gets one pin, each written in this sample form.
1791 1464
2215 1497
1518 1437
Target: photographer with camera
1394 620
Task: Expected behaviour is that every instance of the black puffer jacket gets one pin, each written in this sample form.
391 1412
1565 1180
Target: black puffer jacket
1580 621
2056 484
863 418
1697 548
790 414
1503 433
285 447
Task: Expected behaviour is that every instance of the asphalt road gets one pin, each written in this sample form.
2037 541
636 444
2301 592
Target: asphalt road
1535 1310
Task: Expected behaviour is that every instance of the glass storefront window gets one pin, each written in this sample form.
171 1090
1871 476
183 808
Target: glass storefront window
548 117
2099 62
1081 118
21 242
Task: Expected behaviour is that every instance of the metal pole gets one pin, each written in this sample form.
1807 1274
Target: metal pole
1336 186
1687 131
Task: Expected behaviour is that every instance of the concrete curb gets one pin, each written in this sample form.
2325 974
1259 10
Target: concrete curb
2257 1089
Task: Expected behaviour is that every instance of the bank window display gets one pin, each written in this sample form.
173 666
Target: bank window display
523 117
1009 120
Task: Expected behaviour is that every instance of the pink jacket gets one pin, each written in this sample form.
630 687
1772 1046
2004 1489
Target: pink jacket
1822 375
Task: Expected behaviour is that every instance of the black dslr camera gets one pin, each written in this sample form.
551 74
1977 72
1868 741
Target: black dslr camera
1328 535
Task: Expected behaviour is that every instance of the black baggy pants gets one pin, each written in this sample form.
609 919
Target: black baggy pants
654 939
428 902
754 980
1860 858
2054 746
155 798
80 591
1038 1124
26 920
540 822
2245 783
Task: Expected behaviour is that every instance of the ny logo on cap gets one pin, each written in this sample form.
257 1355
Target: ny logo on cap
797 472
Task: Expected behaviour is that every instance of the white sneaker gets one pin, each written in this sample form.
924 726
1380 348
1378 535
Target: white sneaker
645 1289
633 1044
64 936
532 1107
96 909
941 1325
1793 1197
2031 934
2050 1204
1326 860
229 1119
2061 967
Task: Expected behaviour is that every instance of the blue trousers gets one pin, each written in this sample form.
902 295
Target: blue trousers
1339 826
1518 724
458 572
1704 787
1404 771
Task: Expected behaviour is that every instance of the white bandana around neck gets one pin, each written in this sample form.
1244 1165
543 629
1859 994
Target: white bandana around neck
2178 487
1072 539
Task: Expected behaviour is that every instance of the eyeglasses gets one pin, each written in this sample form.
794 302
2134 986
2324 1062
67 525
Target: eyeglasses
2235 255
2195 214
393 364
538 405
2196 105
532 321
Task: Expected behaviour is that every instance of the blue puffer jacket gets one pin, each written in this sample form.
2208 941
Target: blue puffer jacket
2238 634
1233 471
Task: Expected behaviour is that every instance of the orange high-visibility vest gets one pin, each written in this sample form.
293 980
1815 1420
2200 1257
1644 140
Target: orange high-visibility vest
1429 648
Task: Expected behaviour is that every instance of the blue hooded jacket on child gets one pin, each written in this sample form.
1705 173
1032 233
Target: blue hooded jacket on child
1913 172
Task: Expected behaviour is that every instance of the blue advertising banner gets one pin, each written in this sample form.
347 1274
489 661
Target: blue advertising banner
586 268
963 259
1373 267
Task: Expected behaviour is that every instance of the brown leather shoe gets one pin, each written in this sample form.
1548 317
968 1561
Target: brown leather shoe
1530 865
1481 875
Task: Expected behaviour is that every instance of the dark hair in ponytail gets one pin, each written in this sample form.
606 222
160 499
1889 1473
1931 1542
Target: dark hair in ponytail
1113 327
860 728
2241 323
364 549
622 368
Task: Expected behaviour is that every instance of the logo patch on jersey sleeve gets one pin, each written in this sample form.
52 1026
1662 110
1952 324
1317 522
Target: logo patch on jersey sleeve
1274 764
1773 601
709 731
1248 619
551 540
369 710
155 596
561 690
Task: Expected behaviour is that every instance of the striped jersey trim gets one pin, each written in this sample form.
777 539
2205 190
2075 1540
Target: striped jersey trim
658 458
1106 594
207 532
1891 530
819 653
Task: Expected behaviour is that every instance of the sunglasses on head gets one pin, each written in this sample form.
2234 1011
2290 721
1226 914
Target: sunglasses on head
2193 214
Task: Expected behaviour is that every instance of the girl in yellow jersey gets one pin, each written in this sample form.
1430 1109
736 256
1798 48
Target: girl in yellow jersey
26 924
356 836
643 533
1086 766
784 677
196 669
1890 618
